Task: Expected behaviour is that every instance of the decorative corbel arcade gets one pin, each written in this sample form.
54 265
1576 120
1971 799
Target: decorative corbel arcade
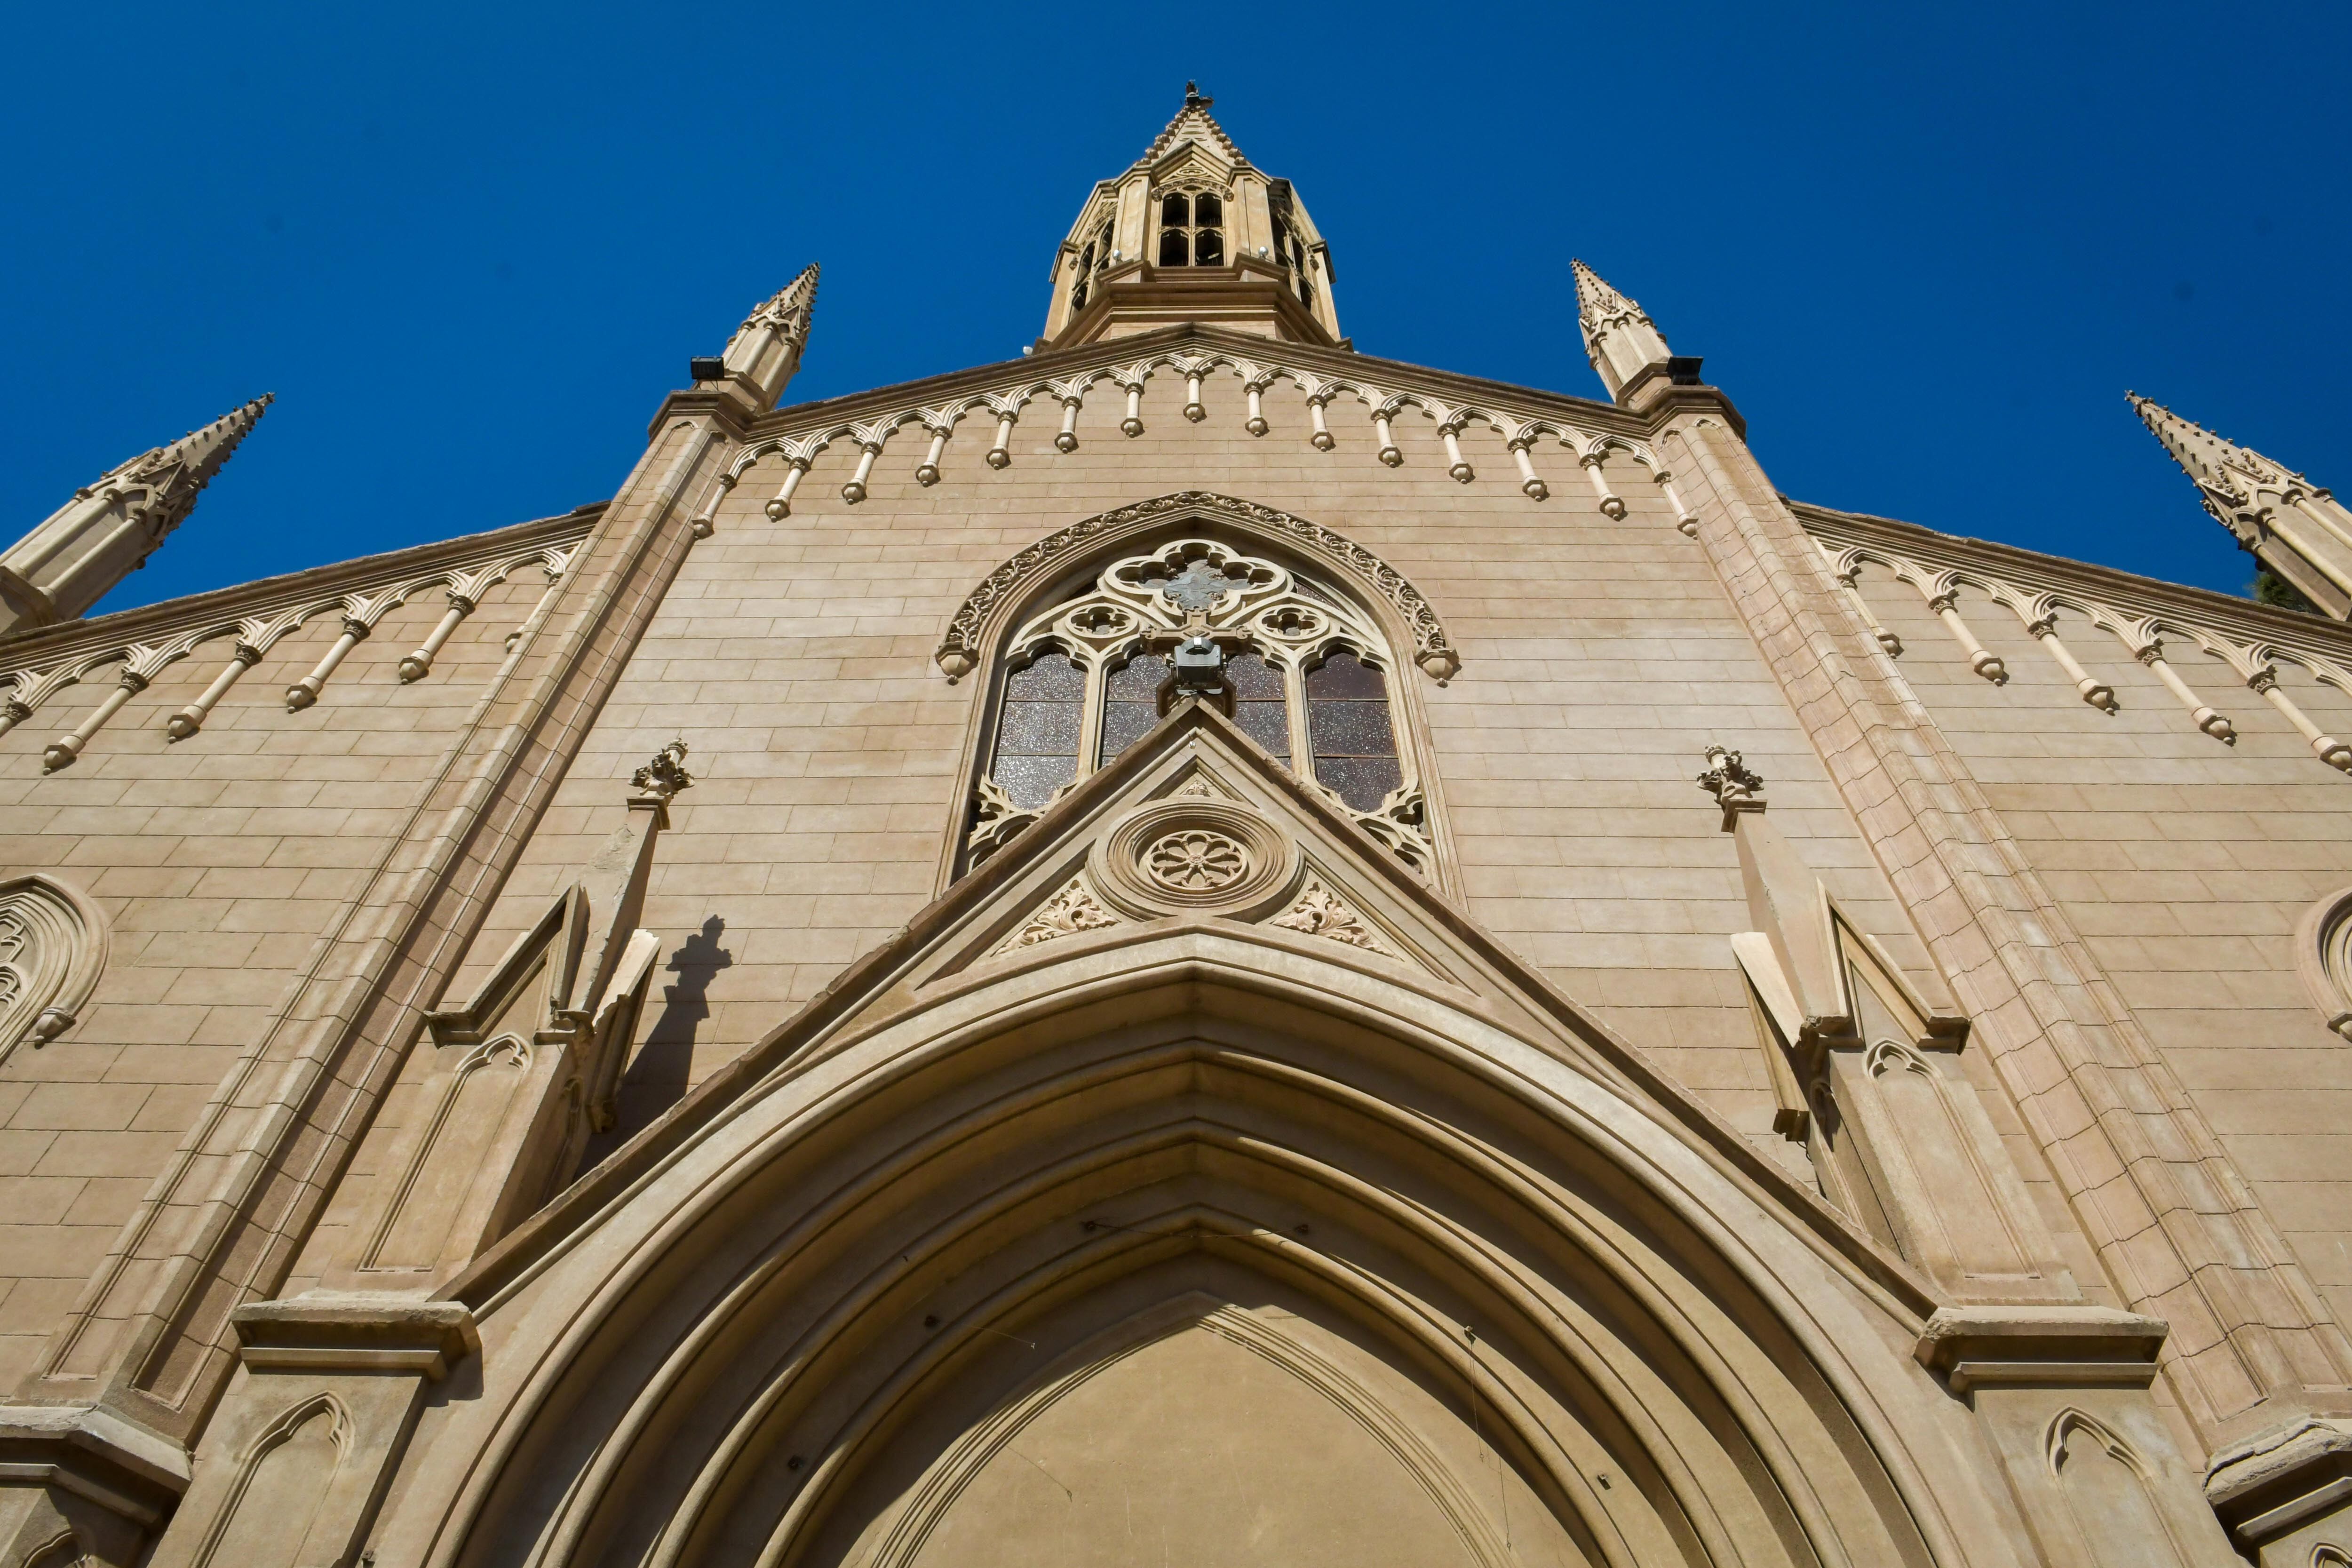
134 647
1194 360
2154 623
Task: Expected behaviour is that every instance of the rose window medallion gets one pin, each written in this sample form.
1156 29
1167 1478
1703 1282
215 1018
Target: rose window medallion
1194 855
1196 861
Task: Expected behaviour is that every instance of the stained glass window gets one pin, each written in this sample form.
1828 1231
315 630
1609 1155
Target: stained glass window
1037 738
1131 702
1347 723
1261 705
1303 663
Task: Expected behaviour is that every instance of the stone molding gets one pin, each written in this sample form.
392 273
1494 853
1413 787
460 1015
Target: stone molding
355 1332
95 1453
2323 957
1194 856
2042 1346
1523 416
2281 1481
969 630
2251 640
255 615
54 942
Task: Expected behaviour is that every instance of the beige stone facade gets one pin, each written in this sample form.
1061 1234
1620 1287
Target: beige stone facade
1199 947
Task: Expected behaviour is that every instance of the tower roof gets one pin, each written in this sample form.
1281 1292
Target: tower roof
1192 122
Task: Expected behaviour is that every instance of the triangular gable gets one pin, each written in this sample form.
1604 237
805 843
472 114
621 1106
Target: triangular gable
970 938
1298 869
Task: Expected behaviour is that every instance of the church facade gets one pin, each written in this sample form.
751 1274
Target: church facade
1199 947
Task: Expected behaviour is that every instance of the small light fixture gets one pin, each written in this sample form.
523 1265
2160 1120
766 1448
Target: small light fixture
1682 369
706 367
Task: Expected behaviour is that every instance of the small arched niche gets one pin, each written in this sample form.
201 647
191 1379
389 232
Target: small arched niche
53 947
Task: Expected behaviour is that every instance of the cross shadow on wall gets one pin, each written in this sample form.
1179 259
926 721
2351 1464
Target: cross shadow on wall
657 1078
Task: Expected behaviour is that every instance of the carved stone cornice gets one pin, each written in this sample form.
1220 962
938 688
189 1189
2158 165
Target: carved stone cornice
228 605
1327 363
36 665
2303 637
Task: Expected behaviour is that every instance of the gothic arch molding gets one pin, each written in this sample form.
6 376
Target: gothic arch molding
739 1353
54 941
1011 590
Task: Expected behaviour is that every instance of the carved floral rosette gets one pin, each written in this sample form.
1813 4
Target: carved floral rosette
1194 856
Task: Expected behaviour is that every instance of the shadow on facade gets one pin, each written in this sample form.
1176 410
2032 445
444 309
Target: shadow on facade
656 1079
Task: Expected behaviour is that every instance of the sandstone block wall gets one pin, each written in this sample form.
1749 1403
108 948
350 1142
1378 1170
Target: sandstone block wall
2187 865
219 860
1601 659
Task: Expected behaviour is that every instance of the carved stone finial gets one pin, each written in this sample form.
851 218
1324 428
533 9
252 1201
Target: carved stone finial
1735 786
666 775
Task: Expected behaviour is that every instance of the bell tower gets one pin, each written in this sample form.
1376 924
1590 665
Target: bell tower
1191 232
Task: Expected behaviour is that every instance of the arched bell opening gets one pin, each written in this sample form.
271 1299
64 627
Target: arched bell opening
987 1215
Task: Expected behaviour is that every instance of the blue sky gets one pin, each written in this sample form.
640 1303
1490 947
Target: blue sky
1925 249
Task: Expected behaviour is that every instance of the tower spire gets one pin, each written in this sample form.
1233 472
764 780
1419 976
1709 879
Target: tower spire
1619 336
765 352
2295 528
1191 232
111 526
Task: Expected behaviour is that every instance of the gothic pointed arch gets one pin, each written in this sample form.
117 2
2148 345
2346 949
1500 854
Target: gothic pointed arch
999 1249
1314 638
53 940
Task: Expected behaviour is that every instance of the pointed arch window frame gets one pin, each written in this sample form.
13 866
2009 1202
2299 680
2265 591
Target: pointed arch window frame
1393 626
62 950
1191 189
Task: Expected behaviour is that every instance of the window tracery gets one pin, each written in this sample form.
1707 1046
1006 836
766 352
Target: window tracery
1191 228
1094 257
1302 672
1290 246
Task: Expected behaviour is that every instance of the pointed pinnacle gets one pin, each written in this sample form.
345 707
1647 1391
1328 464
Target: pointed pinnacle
206 449
777 310
195 457
2194 447
1598 304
